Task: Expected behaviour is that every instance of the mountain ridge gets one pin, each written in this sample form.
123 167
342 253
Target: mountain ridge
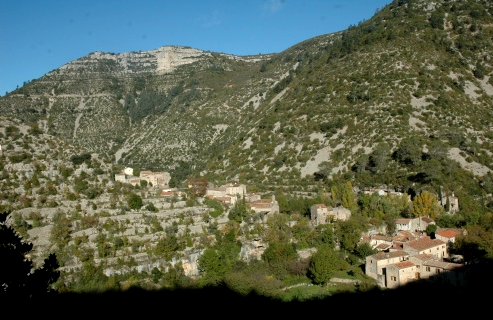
336 106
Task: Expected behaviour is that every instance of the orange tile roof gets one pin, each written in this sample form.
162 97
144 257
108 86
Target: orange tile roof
449 233
380 237
404 264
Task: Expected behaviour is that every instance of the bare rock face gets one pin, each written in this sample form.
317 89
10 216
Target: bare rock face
168 58
159 61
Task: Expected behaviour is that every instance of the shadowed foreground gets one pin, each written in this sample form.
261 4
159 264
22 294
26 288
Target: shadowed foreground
221 302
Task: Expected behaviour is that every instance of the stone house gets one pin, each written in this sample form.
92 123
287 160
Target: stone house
216 192
376 265
421 258
400 273
403 224
322 214
235 189
448 235
266 206
428 267
452 200
172 192
228 193
157 179
380 242
415 224
426 245
227 199
120 177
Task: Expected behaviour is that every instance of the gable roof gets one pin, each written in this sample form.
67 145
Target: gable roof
404 264
442 264
423 243
381 237
449 233
388 255
427 219
425 257
402 221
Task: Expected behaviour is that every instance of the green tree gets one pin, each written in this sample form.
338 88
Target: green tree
431 229
409 152
216 205
323 264
238 212
335 195
348 233
379 158
60 233
364 250
143 183
279 255
325 235
167 247
348 199
212 267
156 274
134 201
477 245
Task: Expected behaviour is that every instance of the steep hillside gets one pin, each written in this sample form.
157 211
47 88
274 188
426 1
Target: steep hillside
402 99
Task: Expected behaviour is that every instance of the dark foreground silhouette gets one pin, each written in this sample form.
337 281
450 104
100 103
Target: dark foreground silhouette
419 299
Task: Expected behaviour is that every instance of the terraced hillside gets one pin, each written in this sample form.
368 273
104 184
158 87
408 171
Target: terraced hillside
402 99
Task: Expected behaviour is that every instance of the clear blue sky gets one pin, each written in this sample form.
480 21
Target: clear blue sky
38 36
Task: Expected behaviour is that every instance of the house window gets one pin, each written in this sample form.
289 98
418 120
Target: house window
437 270
427 268
393 278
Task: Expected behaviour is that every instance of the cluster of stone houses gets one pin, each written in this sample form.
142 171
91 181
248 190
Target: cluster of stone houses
157 179
452 200
407 256
232 192
411 255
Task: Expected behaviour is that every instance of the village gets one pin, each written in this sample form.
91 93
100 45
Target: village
409 255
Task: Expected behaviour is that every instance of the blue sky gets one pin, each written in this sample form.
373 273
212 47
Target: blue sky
38 36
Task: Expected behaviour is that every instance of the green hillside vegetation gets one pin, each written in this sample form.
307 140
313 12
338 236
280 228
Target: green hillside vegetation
401 101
